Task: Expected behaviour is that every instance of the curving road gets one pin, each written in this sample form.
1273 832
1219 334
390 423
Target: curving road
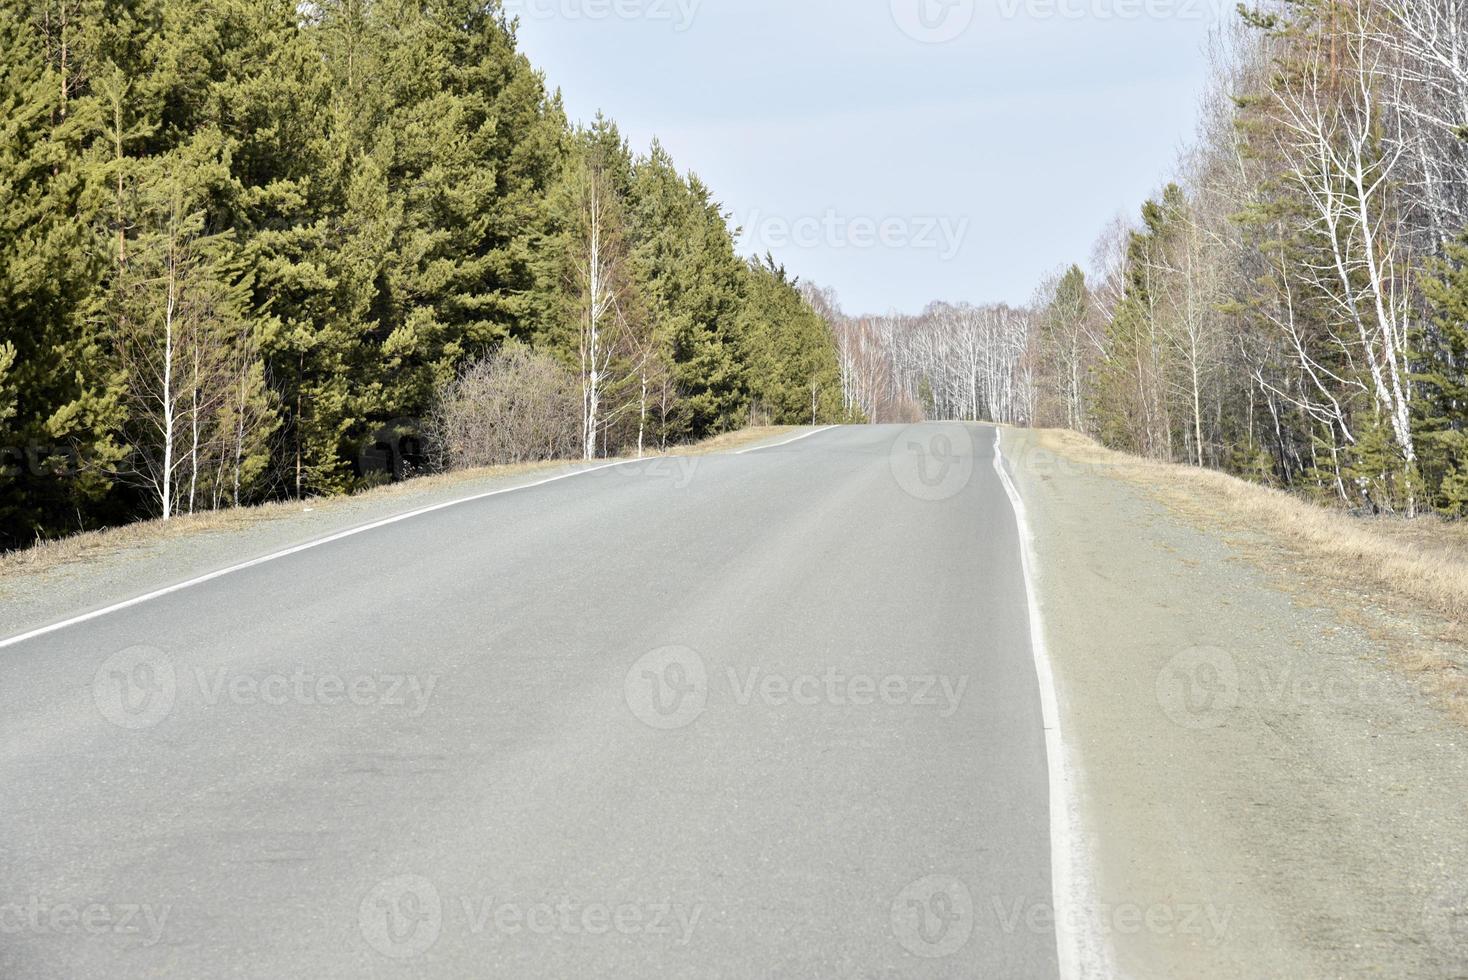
769 714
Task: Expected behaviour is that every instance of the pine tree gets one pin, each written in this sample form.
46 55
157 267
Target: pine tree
1131 409
787 349
50 263
706 354
1442 382
7 389
692 284
660 219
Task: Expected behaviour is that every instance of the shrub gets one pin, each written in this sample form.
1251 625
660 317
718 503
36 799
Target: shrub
516 406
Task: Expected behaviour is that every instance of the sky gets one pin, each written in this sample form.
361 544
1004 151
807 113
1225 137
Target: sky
899 151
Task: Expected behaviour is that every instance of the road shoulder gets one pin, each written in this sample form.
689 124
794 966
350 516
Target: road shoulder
1264 793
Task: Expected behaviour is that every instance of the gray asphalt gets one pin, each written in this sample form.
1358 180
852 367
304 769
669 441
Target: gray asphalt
775 715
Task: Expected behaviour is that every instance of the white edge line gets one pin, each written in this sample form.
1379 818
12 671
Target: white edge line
777 445
340 535
1079 955
351 532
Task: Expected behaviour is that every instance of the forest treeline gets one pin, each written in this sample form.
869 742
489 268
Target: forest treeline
1291 307
242 239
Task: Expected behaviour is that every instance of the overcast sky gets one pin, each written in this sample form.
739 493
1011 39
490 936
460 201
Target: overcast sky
900 151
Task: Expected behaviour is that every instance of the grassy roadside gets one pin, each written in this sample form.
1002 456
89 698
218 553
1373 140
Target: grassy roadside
92 545
1406 582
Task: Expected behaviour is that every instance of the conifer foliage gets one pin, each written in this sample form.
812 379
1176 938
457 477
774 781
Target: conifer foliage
240 237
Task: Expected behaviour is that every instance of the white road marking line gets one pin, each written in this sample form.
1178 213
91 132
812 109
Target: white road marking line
777 445
1080 954
338 536
200 580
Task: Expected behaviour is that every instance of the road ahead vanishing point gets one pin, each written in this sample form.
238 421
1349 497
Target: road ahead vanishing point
789 724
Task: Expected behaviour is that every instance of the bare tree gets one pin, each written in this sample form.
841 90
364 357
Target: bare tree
1188 322
602 281
950 362
175 333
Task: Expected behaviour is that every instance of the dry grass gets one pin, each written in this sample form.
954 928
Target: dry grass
47 555
1423 561
1408 578
93 545
733 440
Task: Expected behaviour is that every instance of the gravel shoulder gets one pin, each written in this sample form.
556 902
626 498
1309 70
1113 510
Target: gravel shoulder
74 576
1265 790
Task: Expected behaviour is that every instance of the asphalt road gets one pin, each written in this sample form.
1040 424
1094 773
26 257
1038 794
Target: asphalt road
771 714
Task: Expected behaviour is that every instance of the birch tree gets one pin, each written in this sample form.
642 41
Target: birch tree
1331 124
188 354
601 283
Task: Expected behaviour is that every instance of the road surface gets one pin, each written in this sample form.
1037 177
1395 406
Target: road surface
749 715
